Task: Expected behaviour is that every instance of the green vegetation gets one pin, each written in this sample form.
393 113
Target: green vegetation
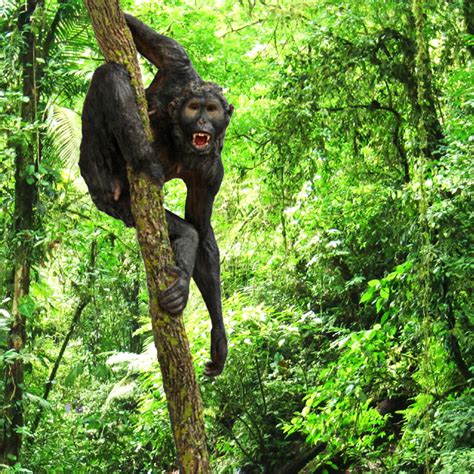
345 228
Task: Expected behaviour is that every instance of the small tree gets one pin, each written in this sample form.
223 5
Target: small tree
179 380
26 194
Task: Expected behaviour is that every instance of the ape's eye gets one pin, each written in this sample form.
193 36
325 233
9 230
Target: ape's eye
194 106
211 108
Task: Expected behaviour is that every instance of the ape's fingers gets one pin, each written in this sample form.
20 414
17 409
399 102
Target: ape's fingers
175 306
213 369
171 300
218 356
177 311
156 172
170 290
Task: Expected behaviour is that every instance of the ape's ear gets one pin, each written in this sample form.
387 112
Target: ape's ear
172 109
230 111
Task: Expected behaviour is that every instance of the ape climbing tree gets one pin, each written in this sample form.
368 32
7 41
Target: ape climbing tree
179 380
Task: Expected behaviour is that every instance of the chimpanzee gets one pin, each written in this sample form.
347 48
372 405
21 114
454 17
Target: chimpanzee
189 117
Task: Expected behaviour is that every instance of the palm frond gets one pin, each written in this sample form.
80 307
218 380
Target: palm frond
63 125
8 8
73 30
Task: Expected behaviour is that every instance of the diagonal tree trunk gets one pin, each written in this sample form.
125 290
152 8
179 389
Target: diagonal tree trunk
84 300
174 356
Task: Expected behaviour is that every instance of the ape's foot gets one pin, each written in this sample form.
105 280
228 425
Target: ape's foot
156 173
174 298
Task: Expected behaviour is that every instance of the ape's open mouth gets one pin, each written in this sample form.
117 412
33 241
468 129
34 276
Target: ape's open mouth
201 140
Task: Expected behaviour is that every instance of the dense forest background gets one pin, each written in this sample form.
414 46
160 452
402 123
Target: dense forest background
345 229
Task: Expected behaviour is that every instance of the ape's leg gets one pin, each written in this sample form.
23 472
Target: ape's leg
113 135
111 88
184 241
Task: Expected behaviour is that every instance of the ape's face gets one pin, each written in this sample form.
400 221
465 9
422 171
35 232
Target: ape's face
202 120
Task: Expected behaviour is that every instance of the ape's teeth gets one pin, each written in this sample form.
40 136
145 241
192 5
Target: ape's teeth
201 139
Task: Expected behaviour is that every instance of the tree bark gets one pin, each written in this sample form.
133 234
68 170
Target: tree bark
25 199
174 356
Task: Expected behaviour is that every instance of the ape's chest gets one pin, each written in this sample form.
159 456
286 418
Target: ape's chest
192 169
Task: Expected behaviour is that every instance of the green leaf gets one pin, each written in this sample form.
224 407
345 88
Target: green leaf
73 374
27 306
384 317
367 295
384 293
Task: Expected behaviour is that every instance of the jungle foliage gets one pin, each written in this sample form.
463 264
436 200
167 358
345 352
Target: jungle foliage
345 229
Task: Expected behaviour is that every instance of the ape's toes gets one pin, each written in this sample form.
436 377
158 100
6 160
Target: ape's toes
156 173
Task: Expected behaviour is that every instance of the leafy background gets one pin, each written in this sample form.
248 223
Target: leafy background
346 249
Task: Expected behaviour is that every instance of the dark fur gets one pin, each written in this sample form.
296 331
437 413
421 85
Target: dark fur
113 137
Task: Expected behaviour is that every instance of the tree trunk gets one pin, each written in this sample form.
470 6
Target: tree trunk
179 380
430 133
25 199
468 11
430 129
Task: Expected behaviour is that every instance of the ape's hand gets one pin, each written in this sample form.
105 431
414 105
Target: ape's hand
174 298
218 353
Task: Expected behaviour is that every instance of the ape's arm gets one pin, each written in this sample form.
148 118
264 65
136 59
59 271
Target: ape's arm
165 53
206 274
